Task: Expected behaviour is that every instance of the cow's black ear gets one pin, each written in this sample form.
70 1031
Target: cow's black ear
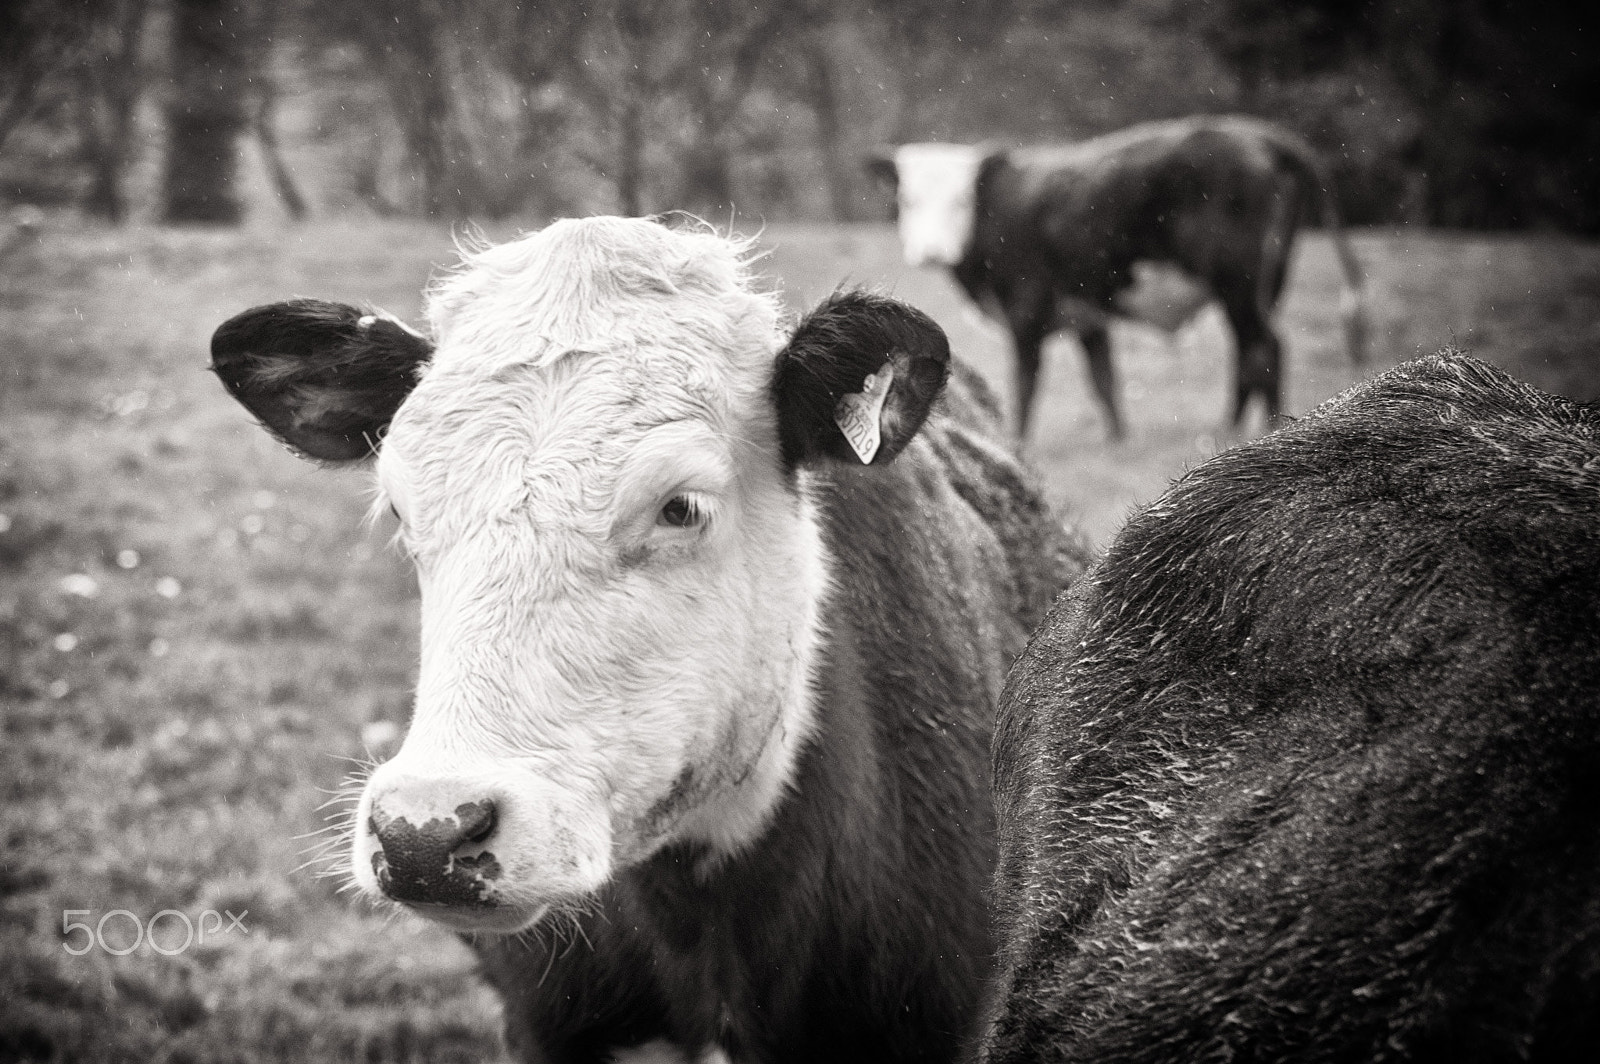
857 380
323 377
880 165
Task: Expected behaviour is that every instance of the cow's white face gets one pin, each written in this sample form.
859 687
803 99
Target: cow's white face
600 467
937 186
619 585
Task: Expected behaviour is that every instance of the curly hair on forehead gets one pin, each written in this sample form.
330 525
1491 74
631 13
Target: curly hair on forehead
596 277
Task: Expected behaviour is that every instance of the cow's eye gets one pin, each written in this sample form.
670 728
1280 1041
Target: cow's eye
680 512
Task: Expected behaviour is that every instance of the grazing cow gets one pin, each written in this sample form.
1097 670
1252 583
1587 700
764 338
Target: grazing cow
707 681
1071 236
1308 768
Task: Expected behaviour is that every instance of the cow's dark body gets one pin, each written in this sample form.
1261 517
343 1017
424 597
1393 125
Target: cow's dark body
1058 229
1308 769
856 928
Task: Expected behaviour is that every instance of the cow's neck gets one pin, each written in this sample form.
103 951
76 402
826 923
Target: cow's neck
974 270
972 273
830 800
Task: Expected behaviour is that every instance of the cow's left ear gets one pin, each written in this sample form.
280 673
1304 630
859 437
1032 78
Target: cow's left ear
323 377
857 380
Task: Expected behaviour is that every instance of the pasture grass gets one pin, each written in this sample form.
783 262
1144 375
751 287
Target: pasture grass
200 639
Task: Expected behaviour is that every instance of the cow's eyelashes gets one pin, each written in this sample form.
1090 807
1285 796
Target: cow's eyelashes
681 511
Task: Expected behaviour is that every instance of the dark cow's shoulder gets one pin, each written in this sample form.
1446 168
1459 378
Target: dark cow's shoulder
1306 765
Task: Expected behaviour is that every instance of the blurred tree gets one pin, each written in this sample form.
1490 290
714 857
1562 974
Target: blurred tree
108 88
206 113
37 39
902 52
818 81
260 42
402 39
730 42
74 66
640 61
1507 135
462 88
927 41
535 44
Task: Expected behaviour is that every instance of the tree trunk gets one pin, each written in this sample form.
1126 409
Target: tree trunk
109 90
630 155
263 115
836 166
206 113
708 177
634 26
403 41
37 39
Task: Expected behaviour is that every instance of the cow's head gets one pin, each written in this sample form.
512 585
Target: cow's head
600 465
936 197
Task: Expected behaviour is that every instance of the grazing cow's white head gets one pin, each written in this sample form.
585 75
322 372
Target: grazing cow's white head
936 195
600 468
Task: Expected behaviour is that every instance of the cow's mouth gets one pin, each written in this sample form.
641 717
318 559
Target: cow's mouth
480 919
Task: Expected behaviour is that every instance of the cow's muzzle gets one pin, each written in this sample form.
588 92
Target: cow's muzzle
445 860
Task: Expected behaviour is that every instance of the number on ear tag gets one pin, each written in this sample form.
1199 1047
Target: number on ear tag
857 413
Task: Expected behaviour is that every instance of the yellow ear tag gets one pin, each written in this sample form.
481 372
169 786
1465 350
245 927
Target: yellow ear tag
857 413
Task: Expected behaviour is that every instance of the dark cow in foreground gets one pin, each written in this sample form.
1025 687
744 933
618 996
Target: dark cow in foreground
1308 768
714 618
1068 237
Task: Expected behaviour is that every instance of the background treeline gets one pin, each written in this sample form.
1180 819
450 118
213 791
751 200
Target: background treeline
1468 113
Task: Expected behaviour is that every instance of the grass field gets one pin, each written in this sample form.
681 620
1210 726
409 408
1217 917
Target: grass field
198 636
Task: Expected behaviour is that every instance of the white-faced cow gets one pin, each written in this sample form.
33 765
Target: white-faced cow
1308 768
1060 237
713 623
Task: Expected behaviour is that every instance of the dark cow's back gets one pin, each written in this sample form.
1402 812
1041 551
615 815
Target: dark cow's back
1187 192
1309 767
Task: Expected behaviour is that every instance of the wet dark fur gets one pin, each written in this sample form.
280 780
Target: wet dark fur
1308 769
856 928
1205 194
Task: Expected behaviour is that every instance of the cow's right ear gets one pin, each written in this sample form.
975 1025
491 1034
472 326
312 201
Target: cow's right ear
857 380
881 166
325 378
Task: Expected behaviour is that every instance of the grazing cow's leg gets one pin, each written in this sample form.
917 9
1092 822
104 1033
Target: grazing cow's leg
1277 245
1258 354
1103 375
1028 337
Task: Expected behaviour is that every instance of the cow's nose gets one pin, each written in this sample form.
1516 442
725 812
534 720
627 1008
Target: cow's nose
444 860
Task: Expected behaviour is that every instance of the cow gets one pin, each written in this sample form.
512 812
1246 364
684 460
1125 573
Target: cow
1152 222
1308 767
714 618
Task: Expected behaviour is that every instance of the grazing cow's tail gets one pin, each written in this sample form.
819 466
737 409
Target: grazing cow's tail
1300 157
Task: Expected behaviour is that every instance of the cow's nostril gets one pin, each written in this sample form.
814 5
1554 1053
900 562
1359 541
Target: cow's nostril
477 820
419 862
